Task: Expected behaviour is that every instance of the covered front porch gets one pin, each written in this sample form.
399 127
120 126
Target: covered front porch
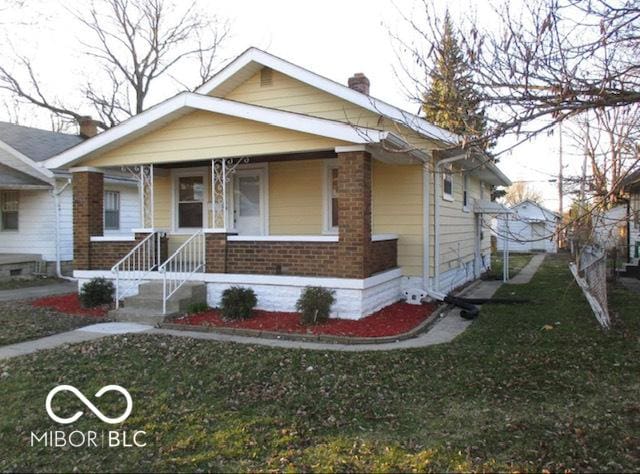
273 222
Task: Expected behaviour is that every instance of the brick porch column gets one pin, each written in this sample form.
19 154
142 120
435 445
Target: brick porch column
354 214
216 252
88 195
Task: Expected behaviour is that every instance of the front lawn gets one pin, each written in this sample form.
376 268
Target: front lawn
25 320
517 261
525 388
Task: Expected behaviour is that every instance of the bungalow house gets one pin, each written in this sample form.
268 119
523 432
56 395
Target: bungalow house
36 231
274 177
530 227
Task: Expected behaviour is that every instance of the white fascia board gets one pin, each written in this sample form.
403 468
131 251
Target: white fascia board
39 171
190 100
410 120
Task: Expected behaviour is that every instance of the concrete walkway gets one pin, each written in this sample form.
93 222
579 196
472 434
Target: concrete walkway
526 274
447 328
38 291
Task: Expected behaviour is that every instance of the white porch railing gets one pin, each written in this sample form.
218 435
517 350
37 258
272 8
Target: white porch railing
131 270
190 258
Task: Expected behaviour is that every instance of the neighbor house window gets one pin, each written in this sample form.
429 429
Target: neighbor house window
190 201
111 210
447 185
332 198
9 210
465 193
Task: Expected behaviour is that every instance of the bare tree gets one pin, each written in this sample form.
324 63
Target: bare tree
540 63
521 191
608 139
134 43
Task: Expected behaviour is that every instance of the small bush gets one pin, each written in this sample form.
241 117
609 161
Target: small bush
315 304
238 303
96 292
194 308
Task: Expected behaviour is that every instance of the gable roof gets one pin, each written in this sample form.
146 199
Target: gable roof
539 206
11 178
35 143
185 102
253 59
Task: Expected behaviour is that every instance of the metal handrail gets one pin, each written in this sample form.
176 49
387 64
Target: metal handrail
188 259
142 259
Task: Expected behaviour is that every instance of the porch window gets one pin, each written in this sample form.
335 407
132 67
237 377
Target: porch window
447 185
191 196
9 210
331 204
111 210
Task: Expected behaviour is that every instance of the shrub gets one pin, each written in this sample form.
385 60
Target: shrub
194 308
96 292
238 302
315 304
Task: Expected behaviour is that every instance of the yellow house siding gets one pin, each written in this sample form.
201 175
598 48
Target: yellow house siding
296 197
397 209
162 201
205 135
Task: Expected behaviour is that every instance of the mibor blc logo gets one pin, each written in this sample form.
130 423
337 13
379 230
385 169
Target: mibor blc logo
89 439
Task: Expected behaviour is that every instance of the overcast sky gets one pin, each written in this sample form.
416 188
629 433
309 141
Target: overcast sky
334 38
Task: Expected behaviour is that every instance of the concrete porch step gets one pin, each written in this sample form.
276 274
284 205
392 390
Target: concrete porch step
146 306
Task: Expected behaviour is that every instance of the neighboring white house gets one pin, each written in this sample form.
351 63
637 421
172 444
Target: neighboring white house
531 228
33 234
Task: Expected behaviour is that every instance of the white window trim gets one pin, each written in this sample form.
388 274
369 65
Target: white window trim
465 192
329 165
176 174
446 196
104 212
17 229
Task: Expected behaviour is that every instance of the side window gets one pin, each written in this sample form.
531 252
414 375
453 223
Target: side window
331 193
447 184
9 209
111 210
465 193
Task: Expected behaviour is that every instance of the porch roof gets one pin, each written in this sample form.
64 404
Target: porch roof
186 102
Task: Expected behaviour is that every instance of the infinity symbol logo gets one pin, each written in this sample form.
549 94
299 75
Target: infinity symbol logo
89 405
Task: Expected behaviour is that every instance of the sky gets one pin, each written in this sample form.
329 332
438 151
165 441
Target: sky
334 38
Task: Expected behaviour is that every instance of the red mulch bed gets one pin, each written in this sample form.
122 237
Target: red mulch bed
69 304
395 319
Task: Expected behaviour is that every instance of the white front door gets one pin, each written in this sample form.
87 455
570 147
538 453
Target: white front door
248 202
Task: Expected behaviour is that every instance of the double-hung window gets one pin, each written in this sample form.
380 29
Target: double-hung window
9 210
465 193
111 210
191 200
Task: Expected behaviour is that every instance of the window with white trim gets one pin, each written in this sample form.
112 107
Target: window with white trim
331 193
447 184
111 210
465 193
191 198
9 201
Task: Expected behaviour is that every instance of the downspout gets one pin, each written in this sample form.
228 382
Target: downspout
436 292
56 200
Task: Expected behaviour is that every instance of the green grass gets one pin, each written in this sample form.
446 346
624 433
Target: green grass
517 261
524 388
17 283
19 321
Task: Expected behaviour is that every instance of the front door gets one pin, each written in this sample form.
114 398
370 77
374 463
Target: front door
248 205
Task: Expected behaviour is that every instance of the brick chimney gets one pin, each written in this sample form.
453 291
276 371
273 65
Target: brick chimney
88 126
359 82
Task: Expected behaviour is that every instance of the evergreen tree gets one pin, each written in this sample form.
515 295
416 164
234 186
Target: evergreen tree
450 101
